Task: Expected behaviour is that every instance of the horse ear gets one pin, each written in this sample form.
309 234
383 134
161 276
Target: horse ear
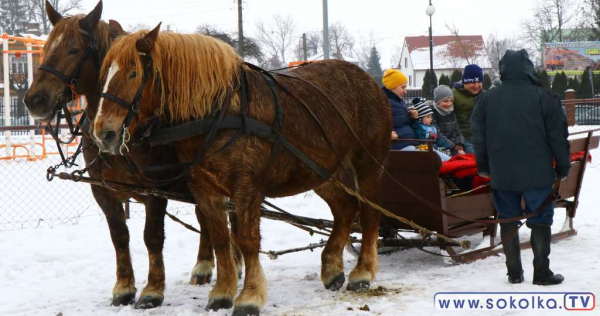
146 43
115 29
53 15
90 21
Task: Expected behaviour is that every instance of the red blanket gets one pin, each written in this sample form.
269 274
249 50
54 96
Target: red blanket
465 166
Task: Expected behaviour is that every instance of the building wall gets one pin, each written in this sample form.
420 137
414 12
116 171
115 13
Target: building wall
406 66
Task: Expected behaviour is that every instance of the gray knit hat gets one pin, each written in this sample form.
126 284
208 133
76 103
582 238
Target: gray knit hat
424 109
442 92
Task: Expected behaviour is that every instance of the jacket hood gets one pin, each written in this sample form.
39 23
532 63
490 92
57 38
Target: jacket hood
515 65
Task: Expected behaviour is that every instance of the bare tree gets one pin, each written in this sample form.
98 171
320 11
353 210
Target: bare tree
313 42
138 26
461 48
37 10
549 19
496 48
365 45
279 37
13 16
396 56
589 19
251 48
340 40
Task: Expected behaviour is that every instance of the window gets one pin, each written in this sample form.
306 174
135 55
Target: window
405 62
409 80
18 65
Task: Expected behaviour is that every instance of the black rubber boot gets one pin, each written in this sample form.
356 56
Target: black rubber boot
540 244
512 251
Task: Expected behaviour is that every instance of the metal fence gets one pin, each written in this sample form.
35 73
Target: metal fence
28 200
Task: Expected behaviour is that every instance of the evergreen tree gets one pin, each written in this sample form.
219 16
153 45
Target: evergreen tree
585 87
374 66
445 80
559 85
573 84
487 82
455 77
429 83
13 16
544 78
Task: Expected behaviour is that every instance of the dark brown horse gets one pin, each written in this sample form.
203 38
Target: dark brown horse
181 78
64 52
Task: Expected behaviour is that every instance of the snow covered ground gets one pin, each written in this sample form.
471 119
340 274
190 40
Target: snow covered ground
70 269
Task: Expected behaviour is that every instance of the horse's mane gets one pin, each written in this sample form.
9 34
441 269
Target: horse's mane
68 27
195 71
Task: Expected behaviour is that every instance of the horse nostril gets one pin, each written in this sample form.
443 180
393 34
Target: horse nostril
40 100
108 137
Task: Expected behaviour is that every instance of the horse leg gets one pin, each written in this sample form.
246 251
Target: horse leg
202 272
237 252
254 293
368 180
124 289
344 208
154 238
213 210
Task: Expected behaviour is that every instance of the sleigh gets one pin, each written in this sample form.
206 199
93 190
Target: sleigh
421 171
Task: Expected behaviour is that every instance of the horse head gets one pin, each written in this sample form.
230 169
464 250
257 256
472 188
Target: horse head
164 75
72 57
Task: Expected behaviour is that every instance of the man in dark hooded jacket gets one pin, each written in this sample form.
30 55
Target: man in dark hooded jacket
519 129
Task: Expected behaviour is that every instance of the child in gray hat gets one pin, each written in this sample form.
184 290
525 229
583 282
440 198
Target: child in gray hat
445 121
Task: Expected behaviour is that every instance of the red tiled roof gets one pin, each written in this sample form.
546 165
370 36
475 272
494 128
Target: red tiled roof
415 42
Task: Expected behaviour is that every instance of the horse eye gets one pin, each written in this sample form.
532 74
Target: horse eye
74 51
132 75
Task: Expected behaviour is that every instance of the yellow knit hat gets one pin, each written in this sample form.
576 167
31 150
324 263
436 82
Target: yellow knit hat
393 78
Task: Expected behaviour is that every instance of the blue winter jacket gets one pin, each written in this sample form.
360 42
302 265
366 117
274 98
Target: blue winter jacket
423 131
400 119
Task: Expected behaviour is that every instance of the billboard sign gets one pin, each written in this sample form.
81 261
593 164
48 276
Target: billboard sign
571 57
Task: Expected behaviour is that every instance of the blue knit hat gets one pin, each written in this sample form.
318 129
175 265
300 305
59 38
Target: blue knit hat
472 74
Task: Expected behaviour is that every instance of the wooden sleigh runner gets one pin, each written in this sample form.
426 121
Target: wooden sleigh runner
420 170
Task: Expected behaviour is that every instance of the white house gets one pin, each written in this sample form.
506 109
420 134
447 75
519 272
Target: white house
449 53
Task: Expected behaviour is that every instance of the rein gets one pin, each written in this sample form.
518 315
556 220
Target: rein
61 102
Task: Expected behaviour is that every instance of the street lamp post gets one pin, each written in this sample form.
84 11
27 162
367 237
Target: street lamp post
430 11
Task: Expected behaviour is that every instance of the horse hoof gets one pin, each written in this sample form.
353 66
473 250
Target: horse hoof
123 299
147 302
337 282
201 279
221 303
359 286
246 310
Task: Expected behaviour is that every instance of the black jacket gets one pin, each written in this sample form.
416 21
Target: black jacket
519 128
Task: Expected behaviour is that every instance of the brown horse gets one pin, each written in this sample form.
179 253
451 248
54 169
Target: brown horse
183 78
64 51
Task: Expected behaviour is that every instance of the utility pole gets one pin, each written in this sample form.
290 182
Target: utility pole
304 46
240 30
325 32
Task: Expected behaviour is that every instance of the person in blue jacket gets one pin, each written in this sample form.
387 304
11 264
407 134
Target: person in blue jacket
394 87
423 129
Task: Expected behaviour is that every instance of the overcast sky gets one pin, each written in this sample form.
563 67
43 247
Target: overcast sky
389 20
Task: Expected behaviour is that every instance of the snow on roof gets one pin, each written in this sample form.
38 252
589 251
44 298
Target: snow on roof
442 59
42 37
448 51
